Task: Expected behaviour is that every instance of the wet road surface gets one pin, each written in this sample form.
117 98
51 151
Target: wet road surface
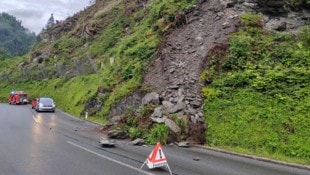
34 143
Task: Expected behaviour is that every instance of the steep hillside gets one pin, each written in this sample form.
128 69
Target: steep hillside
256 89
257 92
169 70
97 57
175 73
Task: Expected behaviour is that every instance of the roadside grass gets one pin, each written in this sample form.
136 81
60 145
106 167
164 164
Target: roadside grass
70 95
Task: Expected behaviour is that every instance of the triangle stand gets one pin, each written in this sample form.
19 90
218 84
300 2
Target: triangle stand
167 166
156 159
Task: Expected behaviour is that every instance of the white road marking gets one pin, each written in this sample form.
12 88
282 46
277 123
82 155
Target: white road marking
110 159
36 120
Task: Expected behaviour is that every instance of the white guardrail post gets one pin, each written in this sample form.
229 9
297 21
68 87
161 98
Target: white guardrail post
86 115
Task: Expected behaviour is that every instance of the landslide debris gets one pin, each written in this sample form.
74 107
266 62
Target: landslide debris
175 72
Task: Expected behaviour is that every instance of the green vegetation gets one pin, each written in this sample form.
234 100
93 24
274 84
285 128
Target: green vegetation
15 39
69 94
159 133
258 100
257 92
126 33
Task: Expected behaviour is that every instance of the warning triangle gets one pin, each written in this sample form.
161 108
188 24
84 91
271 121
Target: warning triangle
157 158
157 155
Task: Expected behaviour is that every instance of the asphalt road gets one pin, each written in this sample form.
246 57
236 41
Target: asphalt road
34 143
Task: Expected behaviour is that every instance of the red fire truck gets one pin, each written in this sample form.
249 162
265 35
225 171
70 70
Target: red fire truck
18 97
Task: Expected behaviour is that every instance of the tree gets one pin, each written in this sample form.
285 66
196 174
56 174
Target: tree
15 39
50 21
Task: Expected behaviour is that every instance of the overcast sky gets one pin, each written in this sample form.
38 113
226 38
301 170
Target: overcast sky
35 13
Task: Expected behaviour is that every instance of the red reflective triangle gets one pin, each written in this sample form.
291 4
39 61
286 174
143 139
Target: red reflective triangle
157 155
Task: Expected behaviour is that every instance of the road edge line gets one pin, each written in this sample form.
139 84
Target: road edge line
300 166
108 158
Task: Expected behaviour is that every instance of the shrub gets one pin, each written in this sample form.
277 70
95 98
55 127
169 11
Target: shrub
304 36
239 49
136 133
159 133
252 20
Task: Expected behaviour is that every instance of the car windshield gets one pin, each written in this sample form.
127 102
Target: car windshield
23 95
46 100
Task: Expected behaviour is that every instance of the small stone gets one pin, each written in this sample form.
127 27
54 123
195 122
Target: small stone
196 158
138 142
106 142
184 144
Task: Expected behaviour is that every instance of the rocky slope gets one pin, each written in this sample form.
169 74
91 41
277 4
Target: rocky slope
175 73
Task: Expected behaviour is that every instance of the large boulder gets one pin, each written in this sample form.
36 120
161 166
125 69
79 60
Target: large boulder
138 142
172 126
151 98
158 116
158 112
118 134
176 108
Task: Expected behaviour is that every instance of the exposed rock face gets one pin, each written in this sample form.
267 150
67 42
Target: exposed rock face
132 101
92 106
280 15
152 98
176 72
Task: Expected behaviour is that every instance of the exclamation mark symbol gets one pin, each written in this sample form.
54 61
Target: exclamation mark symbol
160 156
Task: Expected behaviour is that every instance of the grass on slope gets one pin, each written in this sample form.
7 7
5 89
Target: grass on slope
130 39
259 98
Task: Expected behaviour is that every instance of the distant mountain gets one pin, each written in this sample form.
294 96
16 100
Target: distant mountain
14 38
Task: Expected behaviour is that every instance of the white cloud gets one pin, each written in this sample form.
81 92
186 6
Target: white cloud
35 13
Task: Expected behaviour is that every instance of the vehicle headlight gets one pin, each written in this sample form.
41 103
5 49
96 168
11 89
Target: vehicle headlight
40 105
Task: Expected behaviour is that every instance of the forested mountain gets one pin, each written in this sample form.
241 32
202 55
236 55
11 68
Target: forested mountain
15 39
